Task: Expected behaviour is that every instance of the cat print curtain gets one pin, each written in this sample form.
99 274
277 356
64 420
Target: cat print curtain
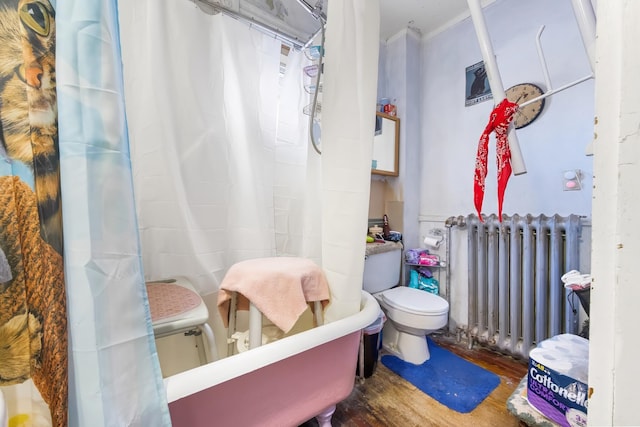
33 319
76 341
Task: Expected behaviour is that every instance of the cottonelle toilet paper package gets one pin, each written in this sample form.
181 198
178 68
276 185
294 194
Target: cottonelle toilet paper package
557 379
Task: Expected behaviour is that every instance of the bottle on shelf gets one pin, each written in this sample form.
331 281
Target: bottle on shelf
386 231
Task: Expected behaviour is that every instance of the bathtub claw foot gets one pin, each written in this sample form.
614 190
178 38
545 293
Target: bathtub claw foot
324 417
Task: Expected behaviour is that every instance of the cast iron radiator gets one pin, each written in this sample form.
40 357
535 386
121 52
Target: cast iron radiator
516 295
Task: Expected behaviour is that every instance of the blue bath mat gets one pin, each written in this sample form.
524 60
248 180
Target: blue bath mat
451 380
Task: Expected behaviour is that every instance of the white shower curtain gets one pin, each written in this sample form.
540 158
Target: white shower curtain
348 108
219 149
222 168
219 145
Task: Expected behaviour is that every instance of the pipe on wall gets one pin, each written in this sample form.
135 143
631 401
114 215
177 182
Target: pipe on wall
586 17
495 81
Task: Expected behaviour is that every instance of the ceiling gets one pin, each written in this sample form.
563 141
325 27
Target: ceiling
426 16
293 18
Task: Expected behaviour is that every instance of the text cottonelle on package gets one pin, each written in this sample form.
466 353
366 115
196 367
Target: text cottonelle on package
545 380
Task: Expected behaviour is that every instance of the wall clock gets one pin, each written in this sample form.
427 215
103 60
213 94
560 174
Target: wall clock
521 93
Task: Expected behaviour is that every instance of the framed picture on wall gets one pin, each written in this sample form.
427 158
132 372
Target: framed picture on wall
477 84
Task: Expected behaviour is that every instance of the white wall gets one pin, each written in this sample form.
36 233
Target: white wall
553 143
614 348
400 73
439 135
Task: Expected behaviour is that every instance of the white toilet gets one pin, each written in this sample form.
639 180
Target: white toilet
411 313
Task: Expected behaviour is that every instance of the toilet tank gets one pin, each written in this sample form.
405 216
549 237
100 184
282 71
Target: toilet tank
382 266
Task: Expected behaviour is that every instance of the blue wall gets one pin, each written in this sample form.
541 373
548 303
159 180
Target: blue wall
439 135
555 142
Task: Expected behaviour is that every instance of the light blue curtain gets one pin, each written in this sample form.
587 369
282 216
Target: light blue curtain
114 378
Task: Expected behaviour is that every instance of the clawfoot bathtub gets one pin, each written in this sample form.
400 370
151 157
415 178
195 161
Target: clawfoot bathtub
283 383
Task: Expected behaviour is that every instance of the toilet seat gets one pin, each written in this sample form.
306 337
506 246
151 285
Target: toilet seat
415 301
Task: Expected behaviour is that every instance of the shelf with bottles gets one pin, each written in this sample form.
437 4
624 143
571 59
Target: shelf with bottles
312 70
422 277
310 88
423 258
422 270
440 264
313 53
437 268
313 82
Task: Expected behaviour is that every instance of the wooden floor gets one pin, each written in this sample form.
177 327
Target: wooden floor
385 399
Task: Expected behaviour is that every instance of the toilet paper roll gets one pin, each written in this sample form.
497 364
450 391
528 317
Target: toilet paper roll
572 340
433 242
578 370
555 347
553 361
568 343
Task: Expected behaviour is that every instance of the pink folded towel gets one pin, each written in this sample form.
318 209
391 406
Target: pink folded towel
280 287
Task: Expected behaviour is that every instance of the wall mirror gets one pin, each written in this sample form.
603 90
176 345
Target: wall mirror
385 145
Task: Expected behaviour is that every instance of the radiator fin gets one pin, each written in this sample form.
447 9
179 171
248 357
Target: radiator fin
516 296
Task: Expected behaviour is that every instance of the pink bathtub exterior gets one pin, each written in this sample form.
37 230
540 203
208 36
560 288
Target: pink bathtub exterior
281 384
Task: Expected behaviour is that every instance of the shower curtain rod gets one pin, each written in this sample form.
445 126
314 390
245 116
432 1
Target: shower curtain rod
315 11
274 32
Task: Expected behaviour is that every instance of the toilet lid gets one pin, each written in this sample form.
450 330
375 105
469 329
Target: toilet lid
415 301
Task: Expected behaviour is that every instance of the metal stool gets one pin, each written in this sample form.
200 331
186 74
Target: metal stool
177 308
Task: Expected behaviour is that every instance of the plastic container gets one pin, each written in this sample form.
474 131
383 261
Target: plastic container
313 52
311 70
371 339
